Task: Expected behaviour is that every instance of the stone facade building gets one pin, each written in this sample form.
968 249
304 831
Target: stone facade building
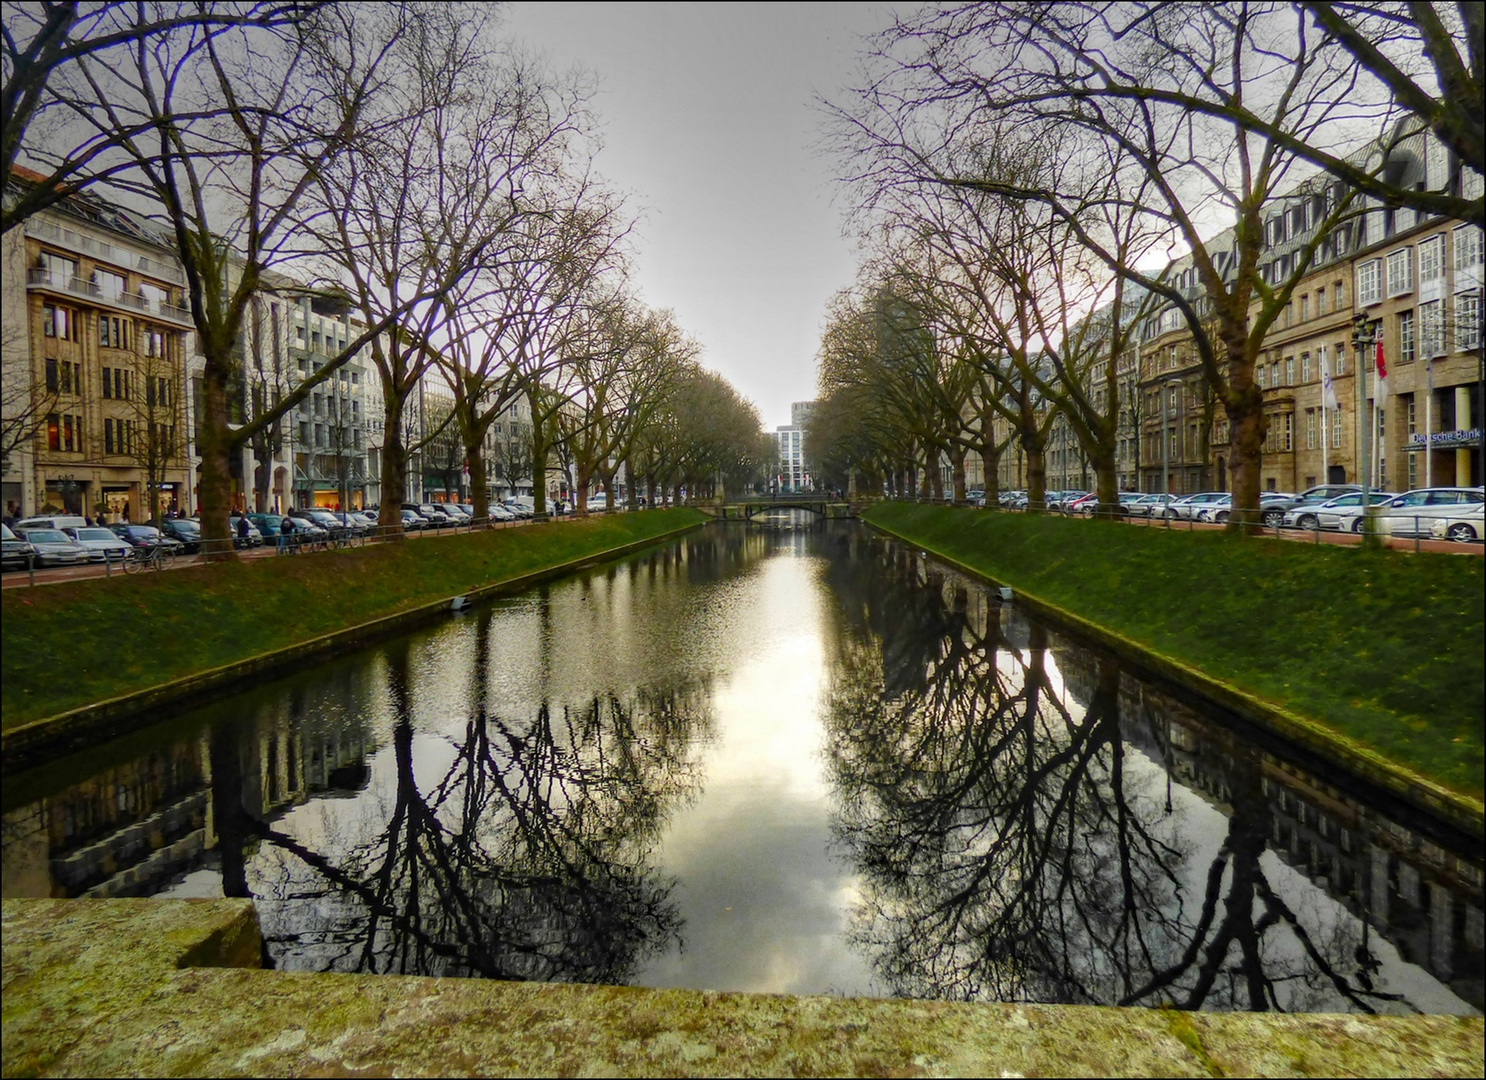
96 340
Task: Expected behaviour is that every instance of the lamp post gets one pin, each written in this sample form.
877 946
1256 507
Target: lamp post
1362 337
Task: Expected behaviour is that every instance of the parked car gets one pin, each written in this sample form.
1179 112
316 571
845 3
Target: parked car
1152 506
53 547
270 525
1315 496
254 537
1271 504
18 554
1414 512
51 521
414 521
335 526
1084 504
1187 507
145 536
1327 515
307 529
101 543
185 531
1463 523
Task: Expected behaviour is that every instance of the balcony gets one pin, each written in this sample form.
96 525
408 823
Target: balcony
81 288
101 249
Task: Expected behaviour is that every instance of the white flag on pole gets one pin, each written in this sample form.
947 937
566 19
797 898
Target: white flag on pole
1328 388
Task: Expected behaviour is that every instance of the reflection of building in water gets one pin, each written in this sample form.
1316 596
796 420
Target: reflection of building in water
114 834
132 828
1424 900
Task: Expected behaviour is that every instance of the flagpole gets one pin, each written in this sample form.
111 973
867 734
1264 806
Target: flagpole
1428 420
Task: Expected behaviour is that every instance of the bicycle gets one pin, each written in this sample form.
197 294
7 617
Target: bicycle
152 555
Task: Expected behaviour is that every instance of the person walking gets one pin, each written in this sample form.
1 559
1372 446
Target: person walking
286 529
242 530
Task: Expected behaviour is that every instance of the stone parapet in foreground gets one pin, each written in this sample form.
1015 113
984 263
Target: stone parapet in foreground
174 987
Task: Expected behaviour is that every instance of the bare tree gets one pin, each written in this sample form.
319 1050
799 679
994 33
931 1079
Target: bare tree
1122 79
47 47
505 322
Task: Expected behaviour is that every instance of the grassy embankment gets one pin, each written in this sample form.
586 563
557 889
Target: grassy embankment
68 645
1385 647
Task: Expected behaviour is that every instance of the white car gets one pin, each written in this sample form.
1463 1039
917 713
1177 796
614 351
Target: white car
1414 512
102 544
1463 524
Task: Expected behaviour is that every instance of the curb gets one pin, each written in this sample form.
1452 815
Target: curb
1423 794
34 743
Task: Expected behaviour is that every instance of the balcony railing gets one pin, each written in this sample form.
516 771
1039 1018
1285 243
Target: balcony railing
38 278
102 249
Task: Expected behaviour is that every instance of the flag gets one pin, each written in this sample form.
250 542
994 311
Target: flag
1328 388
1382 370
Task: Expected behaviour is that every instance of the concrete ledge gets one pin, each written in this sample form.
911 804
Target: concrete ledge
54 736
128 988
1460 811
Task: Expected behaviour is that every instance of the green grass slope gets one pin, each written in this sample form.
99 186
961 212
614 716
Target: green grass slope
69 645
1385 647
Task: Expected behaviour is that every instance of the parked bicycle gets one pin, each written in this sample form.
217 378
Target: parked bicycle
148 555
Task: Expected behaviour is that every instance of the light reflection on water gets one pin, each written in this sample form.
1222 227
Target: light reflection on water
787 760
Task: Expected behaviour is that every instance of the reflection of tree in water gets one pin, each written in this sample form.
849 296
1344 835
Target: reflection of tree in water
1011 852
528 859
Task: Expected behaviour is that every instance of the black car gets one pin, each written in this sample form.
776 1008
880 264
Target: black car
185 531
146 536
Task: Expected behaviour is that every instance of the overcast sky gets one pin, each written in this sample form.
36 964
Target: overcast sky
708 121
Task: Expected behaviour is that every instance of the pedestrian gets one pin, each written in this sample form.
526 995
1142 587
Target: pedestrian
242 530
286 528
126 515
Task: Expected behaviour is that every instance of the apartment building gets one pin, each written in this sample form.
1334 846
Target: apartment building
96 337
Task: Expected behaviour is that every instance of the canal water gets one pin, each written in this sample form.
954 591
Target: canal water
795 759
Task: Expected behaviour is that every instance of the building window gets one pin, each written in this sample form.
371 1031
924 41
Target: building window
1432 329
1431 260
108 390
1305 367
1289 371
1310 429
1305 307
53 431
52 379
1289 432
1467 242
1467 320
1336 429
1321 301
1341 359
1400 271
1369 282
1406 349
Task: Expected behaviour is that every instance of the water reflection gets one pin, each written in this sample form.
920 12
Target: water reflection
793 761
1020 841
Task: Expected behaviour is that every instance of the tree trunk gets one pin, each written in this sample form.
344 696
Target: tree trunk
213 438
1246 456
957 465
1036 471
538 469
474 457
1107 479
990 466
394 470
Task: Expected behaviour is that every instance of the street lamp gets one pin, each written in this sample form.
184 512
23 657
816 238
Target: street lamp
1362 337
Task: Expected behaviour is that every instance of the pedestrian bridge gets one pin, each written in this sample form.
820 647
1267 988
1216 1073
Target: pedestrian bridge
747 509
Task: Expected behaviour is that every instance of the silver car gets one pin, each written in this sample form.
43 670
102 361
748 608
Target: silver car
53 547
